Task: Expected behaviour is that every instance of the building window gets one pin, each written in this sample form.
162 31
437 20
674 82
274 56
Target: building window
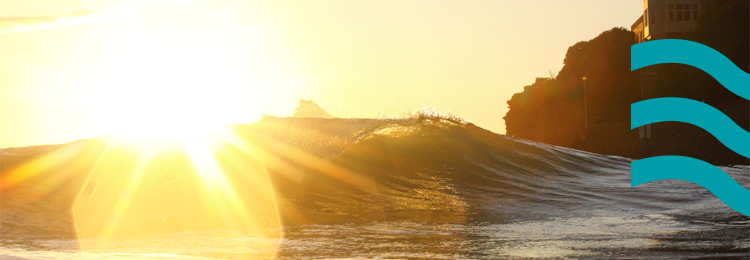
695 12
671 13
683 12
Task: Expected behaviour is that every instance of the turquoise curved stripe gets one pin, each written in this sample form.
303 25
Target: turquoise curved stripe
693 54
695 171
692 112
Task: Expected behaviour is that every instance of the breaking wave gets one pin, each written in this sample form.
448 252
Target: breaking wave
428 169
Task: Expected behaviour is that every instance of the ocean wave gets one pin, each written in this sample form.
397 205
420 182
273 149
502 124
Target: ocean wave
422 168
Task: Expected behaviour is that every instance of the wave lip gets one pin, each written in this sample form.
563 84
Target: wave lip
692 112
693 54
693 170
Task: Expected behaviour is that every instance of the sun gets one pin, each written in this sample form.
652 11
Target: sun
176 84
168 95
167 91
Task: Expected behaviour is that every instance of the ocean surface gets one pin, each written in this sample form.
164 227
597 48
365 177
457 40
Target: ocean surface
427 186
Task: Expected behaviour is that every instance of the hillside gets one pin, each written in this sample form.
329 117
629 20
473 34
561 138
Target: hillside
551 110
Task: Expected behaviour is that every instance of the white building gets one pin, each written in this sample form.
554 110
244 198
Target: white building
662 19
666 19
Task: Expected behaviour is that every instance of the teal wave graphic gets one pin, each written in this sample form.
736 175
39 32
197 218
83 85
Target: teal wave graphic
693 54
695 113
692 112
693 170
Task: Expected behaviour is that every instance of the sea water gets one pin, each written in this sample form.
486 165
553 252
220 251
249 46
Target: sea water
424 187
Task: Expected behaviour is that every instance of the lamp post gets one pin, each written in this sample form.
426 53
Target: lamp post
585 111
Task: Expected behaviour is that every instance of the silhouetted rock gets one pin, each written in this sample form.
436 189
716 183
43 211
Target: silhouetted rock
594 115
308 108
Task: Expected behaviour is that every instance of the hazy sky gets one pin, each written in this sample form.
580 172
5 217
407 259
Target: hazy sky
79 69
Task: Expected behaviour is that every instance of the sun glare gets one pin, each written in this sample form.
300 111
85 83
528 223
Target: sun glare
168 93
169 97
176 83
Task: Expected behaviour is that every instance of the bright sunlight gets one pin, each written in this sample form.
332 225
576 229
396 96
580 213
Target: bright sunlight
169 83
169 97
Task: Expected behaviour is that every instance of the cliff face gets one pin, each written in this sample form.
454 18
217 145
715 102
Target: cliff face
551 110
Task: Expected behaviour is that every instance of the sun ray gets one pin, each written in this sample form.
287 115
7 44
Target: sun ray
49 171
320 165
40 164
186 184
128 192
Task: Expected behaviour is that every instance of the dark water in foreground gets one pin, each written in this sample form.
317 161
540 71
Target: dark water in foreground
423 187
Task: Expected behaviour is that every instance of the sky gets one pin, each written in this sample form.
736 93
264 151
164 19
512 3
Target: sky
85 68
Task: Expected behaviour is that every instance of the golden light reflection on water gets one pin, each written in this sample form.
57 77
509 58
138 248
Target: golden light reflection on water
187 197
171 194
148 191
